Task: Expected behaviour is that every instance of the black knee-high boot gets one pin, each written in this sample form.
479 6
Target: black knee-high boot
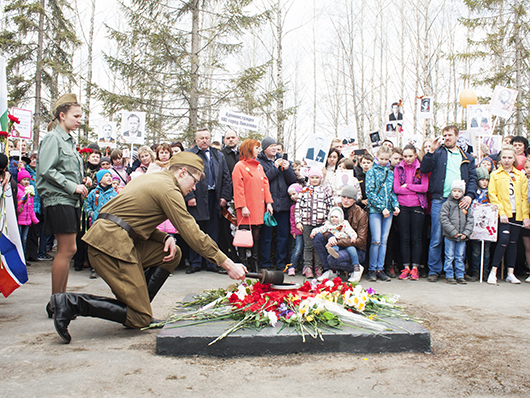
157 277
67 306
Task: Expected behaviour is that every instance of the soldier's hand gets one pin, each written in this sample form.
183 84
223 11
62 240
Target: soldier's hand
171 247
235 271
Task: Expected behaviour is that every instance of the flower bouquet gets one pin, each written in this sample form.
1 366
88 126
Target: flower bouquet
308 310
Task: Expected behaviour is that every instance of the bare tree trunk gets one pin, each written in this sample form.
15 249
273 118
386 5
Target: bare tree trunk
518 70
279 77
38 77
314 71
89 71
194 94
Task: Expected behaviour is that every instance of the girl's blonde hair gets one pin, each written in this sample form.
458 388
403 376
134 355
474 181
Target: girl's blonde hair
508 148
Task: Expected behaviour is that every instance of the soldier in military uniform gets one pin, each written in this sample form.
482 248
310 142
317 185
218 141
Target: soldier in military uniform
132 255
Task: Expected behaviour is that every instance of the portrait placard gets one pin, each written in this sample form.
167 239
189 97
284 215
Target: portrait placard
425 108
133 127
503 101
316 150
485 221
24 129
107 134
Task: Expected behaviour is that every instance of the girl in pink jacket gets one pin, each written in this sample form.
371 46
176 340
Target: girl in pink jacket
25 210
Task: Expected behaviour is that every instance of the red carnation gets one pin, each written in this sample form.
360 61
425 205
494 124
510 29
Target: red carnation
3 134
14 119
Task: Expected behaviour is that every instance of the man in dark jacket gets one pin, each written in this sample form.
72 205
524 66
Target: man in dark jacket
446 163
280 174
230 150
212 193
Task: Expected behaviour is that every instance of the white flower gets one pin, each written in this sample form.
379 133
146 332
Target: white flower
273 318
329 283
357 290
241 292
29 190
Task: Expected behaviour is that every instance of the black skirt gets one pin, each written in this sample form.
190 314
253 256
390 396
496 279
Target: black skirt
61 219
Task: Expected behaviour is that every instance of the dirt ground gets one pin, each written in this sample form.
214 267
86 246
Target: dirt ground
479 335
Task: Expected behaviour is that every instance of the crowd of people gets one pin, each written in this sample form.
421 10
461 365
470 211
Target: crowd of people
407 213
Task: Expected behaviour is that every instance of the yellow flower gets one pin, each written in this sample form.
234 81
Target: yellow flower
310 318
317 311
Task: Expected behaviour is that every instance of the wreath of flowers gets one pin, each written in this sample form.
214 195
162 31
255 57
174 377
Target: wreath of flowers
308 310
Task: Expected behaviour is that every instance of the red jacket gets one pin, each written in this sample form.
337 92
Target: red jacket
251 190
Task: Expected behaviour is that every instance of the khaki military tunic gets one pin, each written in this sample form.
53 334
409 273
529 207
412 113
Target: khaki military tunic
144 203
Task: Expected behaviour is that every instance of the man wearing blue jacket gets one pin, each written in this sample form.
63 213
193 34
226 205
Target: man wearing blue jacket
280 174
446 163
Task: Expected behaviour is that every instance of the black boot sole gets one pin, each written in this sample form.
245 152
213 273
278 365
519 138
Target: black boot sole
49 310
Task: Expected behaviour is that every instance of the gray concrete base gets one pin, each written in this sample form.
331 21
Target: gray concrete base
405 336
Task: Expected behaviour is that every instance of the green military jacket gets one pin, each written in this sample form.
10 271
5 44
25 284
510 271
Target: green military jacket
59 169
144 203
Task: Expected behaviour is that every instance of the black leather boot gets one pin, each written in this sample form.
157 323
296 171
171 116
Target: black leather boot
157 277
67 306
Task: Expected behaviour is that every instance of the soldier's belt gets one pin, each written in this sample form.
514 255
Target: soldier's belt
117 220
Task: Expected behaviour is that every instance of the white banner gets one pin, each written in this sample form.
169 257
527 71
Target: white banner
237 119
25 127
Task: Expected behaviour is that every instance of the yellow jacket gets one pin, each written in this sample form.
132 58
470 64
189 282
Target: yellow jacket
499 193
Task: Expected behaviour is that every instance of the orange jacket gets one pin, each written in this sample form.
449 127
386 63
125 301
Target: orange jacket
251 190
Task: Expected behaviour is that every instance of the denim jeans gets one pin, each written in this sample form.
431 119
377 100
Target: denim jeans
435 247
476 252
282 236
506 243
454 251
352 251
297 250
23 229
410 223
380 228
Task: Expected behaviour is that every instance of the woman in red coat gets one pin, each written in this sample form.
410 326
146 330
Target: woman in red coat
252 197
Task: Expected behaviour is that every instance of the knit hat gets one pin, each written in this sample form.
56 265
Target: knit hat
314 171
489 160
482 173
101 173
294 188
349 191
336 211
23 174
187 158
115 178
93 146
459 184
104 159
65 99
267 142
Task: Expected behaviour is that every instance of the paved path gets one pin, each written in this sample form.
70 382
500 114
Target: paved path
480 333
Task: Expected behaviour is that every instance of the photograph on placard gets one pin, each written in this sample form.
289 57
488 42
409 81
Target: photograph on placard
415 140
107 134
23 129
375 139
348 135
479 118
492 143
316 150
343 178
395 118
503 101
485 219
133 127
425 108
466 141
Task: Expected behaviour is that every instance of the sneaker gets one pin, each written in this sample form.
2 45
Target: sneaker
333 252
372 277
291 272
512 279
470 278
492 279
451 281
384 277
93 274
308 272
329 274
405 272
391 272
461 281
527 280
356 275
414 274
318 272
44 257
432 278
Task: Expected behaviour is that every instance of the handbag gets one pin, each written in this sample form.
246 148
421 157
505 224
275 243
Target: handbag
243 238
269 220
